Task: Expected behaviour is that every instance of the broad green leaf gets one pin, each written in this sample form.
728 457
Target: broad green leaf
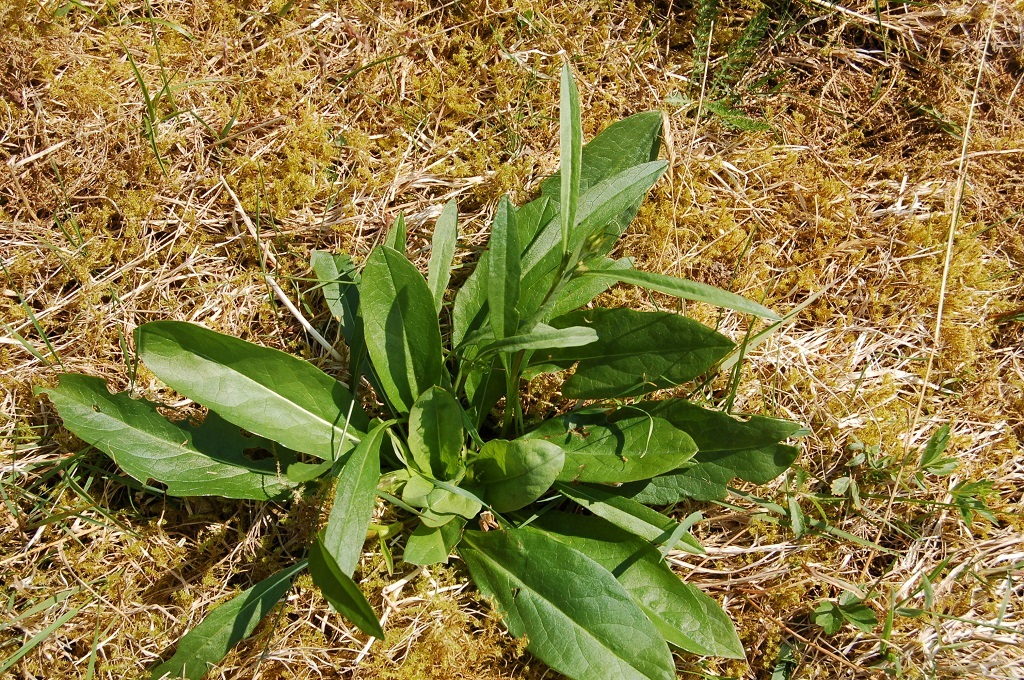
206 644
395 238
687 290
636 352
689 619
267 392
728 448
354 499
402 333
436 435
207 460
622 145
503 272
577 618
543 337
828 616
341 591
570 136
623 446
442 250
516 473
433 545
627 514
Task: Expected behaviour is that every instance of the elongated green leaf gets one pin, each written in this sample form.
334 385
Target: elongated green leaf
631 516
443 506
582 289
395 238
543 337
570 135
687 290
636 352
265 391
341 591
623 144
689 619
578 619
207 460
542 260
614 196
442 250
436 435
728 448
354 499
402 333
339 281
206 644
516 473
433 545
503 272
623 446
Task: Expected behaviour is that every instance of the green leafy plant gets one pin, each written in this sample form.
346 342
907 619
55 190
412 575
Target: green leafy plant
832 615
552 518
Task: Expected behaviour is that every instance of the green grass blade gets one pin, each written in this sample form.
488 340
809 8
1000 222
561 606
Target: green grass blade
687 290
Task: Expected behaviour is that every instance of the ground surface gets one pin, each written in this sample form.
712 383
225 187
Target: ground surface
859 165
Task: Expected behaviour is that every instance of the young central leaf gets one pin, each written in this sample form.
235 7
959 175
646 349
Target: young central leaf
516 473
578 619
402 334
503 272
435 433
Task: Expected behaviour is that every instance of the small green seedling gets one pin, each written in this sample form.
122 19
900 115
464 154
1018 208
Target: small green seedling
553 519
849 609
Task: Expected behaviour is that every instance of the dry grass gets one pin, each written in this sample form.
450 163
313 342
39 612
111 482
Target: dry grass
326 120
